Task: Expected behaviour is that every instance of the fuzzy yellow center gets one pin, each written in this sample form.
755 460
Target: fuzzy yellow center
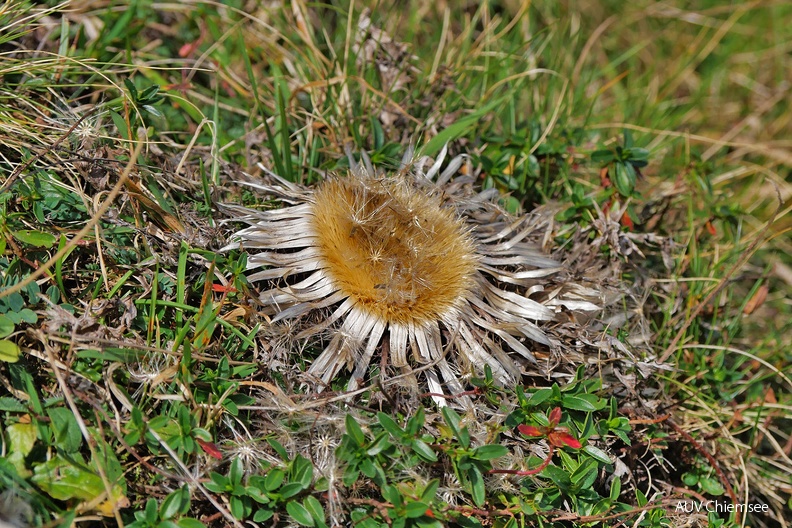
394 250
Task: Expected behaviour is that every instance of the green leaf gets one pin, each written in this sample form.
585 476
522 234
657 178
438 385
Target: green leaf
313 505
236 472
459 128
388 424
255 490
151 110
64 480
151 511
237 507
431 490
7 403
291 489
380 444
615 490
415 423
585 474
19 374
130 86
477 486
35 238
21 438
711 486
464 437
368 467
540 396
582 402
468 522
640 498
6 326
231 407
415 509
622 436
354 430
219 483
65 428
27 316
263 514
392 495
9 351
602 156
66 518
598 454
299 513
628 139
638 154
121 355
624 178
278 447
301 471
690 479
189 522
377 132
16 302
120 124
274 479
511 523
149 93
176 503
511 204
559 476
489 452
423 450
452 419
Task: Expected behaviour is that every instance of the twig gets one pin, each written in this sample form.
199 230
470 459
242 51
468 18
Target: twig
472 392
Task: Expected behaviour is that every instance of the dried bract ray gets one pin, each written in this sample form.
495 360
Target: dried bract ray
434 270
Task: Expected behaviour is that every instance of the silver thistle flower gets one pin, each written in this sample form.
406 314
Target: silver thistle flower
417 262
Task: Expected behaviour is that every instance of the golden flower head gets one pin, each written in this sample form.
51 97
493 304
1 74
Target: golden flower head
416 263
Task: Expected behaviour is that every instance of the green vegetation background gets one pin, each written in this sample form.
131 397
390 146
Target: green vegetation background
132 394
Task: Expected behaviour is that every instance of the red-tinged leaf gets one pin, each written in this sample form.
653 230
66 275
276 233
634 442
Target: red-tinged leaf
554 416
710 228
627 222
562 438
222 288
530 430
210 449
757 300
604 180
188 49
182 86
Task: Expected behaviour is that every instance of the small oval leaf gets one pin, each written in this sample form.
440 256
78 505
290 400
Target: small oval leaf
35 238
299 513
9 351
6 326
